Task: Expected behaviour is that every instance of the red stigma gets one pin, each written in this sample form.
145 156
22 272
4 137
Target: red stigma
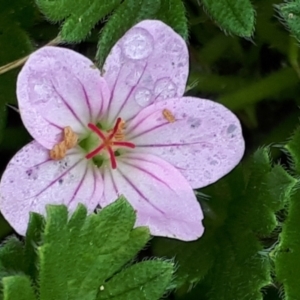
113 139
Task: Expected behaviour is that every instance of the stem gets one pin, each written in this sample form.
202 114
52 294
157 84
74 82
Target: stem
21 61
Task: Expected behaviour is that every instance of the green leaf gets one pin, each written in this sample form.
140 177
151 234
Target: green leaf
173 13
236 17
290 14
103 242
84 17
32 240
147 280
287 253
18 287
292 148
56 10
230 260
126 15
11 257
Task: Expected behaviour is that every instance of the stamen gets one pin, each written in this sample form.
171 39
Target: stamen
69 141
168 115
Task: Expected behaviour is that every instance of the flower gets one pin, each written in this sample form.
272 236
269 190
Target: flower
126 131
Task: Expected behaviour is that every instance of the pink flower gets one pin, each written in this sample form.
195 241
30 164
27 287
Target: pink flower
137 135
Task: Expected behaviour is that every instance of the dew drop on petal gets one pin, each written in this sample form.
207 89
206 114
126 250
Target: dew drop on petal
137 44
231 128
134 76
164 88
143 97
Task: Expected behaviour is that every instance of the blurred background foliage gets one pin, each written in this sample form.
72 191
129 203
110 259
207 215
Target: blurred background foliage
255 74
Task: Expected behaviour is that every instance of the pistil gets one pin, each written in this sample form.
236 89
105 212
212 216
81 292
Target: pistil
114 139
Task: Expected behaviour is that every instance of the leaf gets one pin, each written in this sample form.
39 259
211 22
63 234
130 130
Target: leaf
11 257
173 13
287 253
147 280
229 260
292 148
32 241
236 17
84 17
18 287
290 14
103 242
126 15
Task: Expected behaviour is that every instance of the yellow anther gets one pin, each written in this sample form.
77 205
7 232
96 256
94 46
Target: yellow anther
168 116
69 141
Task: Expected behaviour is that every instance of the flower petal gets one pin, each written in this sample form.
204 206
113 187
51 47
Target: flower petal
32 180
149 63
57 88
204 142
161 196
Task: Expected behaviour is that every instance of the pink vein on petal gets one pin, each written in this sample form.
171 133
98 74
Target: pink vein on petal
59 177
150 129
79 186
68 106
140 193
86 97
130 92
140 121
149 173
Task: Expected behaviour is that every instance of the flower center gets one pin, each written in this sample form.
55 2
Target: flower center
113 139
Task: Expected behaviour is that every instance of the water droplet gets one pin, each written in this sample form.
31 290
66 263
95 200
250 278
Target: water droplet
164 88
143 97
231 128
135 75
194 122
175 46
137 44
32 173
214 162
207 174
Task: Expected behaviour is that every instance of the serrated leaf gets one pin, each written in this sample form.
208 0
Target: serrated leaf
32 241
86 249
229 260
236 17
147 280
287 253
126 15
173 13
17 287
293 150
84 17
56 10
11 257
290 13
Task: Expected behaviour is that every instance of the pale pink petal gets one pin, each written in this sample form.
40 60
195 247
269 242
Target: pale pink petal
32 180
161 196
56 88
149 63
205 142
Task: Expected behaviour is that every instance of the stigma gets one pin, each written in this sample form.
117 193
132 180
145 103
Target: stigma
112 139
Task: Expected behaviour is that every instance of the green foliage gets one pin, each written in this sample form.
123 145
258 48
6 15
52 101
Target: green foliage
153 278
290 13
15 43
286 254
128 13
81 257
236 17
230 261
81 18
18 287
